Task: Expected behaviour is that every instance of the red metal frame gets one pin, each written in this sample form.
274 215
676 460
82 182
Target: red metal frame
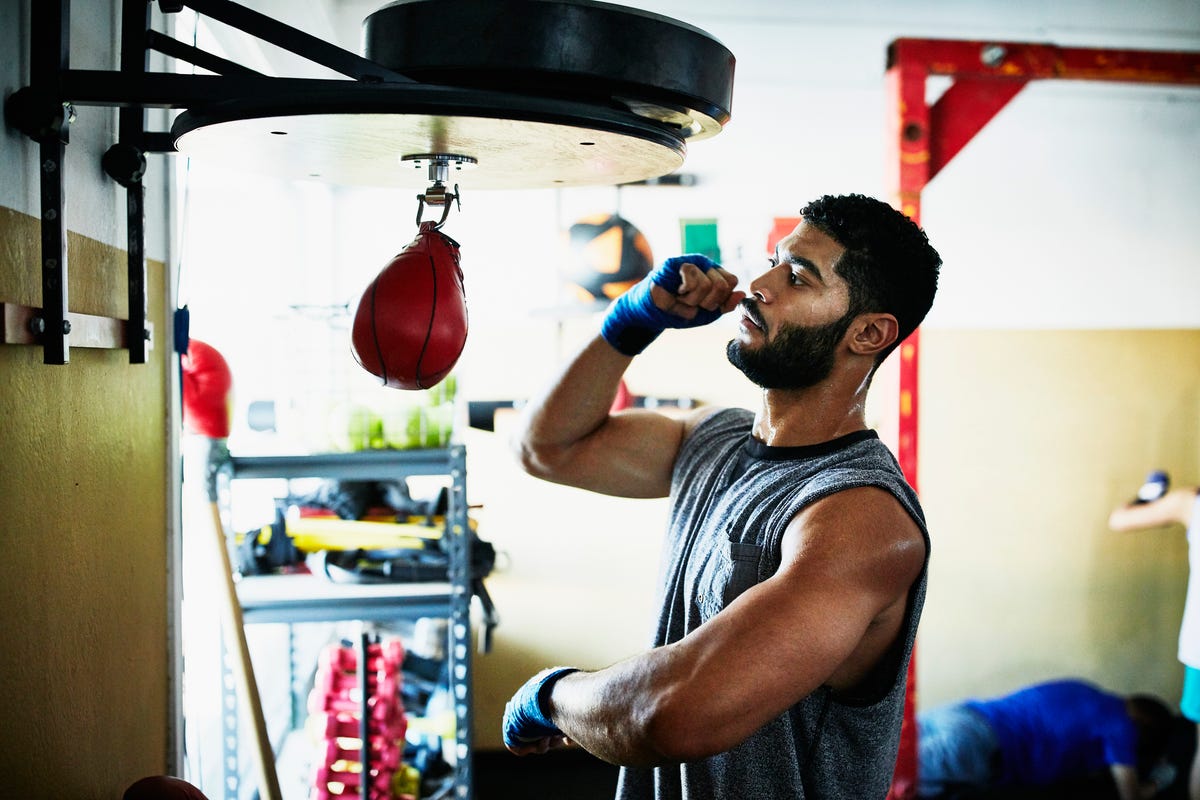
921 140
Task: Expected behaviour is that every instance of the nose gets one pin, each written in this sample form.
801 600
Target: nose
759 287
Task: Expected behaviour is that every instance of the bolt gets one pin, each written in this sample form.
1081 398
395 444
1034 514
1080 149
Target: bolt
992 55
50 214
66 328
49 166
37 326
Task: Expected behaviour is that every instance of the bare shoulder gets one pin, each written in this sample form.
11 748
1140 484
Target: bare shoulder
861 552
863 535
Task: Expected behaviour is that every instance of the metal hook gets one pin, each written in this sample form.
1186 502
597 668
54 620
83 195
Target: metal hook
438 165
436 195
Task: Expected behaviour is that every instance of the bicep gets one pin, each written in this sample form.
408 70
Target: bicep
631 454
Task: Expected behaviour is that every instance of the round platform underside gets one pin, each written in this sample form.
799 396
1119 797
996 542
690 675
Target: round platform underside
553 93
366 150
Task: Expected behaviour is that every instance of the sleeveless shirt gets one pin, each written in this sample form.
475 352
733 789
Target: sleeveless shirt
732 499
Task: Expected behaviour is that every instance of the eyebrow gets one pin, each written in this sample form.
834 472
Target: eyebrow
800 261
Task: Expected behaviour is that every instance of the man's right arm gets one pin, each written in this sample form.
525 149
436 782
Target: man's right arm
568 435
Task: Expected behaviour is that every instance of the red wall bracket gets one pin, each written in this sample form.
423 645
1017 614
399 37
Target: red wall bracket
923 138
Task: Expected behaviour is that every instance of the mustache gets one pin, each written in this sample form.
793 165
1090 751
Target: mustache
749 307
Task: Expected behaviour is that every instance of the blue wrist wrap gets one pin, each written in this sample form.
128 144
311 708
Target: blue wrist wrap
633 321
525 719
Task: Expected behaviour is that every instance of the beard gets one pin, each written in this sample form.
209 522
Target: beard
796 357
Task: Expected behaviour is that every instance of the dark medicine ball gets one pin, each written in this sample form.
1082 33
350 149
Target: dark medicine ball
607 255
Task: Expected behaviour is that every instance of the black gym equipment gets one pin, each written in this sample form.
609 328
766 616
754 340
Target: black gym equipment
496 93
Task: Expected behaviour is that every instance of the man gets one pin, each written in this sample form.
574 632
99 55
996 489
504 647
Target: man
1157 507
795 562
1047 734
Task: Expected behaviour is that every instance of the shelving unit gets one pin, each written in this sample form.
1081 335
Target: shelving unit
307 598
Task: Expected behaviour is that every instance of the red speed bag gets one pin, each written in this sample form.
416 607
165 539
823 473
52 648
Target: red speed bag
411 323
207 391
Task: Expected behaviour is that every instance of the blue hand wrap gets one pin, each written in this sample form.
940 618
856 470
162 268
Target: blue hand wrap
633 321
525 720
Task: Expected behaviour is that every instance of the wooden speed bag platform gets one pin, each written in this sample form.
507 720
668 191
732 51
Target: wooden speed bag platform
533 93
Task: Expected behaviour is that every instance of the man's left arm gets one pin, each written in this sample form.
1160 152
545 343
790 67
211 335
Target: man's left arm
829 613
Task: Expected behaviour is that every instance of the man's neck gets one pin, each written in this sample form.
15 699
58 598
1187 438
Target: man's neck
821 413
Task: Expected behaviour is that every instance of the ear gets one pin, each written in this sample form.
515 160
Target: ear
872 333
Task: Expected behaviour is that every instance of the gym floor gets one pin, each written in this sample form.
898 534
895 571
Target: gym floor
576 775
562 775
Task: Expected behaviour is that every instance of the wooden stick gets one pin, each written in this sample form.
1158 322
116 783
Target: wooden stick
230 610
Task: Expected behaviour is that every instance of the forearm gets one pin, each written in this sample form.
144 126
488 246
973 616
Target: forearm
647 710
1174 506
613 713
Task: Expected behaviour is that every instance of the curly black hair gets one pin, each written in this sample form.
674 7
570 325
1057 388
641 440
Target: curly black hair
889 264
1153 721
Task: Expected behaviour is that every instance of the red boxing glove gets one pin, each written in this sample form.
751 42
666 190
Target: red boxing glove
207 391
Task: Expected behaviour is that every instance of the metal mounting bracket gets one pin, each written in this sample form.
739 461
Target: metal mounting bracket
44 110
601 112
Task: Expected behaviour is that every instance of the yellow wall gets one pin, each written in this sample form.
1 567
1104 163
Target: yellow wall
83 586
1028 440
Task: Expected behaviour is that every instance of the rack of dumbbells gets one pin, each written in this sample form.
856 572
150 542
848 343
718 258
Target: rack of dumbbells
299 598
355 701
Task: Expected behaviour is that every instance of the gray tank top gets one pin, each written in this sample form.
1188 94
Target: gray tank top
732 498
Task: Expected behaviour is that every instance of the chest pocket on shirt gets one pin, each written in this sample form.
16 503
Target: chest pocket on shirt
731 571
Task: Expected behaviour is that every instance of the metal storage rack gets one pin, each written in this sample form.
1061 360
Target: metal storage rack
298 598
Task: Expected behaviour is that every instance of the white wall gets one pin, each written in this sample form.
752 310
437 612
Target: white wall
94 204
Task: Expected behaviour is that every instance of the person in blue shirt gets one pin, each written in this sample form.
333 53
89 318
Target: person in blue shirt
1041 735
